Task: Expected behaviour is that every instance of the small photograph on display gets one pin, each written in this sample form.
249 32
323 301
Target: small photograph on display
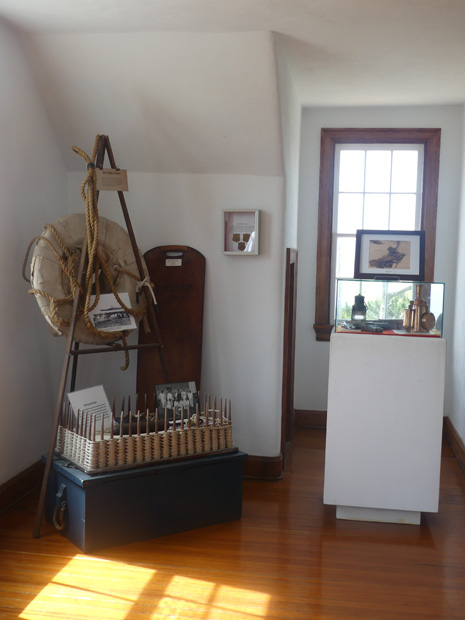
177 397
110 316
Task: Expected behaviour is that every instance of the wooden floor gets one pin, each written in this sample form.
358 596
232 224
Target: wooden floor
287 558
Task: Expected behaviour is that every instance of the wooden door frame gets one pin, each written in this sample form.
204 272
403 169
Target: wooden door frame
290 306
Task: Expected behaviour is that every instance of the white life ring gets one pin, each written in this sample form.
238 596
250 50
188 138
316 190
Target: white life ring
48 277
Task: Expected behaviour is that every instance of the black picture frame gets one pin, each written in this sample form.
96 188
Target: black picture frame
389 255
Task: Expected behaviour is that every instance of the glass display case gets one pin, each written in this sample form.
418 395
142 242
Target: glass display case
389 307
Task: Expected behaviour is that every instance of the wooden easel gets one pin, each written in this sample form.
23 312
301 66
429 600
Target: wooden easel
103 147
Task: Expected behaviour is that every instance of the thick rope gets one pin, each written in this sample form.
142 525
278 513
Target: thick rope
95 264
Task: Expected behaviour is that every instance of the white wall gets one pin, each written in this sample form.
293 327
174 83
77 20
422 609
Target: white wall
218 96
456 405
243 318
312 356
33 185
172 102
290 122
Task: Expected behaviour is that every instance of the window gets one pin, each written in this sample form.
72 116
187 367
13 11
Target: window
376 187
396 206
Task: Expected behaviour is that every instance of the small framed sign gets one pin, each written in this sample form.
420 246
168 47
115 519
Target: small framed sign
112 179
241 232
390 254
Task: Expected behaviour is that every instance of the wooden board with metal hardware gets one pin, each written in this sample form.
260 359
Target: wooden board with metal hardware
178 275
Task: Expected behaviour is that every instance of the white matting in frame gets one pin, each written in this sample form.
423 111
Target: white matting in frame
241 232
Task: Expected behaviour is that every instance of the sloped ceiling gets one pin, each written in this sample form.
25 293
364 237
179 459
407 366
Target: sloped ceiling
175 102
190 85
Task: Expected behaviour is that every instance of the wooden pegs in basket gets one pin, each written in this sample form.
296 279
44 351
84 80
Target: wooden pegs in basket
112 418
214 412
102 428
94 425
121 424
130 424
62 418
147 421
166 419
156 419
197 411
138 423
182 417
69 426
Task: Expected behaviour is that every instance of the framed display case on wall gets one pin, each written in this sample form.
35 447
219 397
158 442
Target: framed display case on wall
241 232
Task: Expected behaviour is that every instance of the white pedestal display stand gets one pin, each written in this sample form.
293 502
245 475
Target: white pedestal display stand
384 426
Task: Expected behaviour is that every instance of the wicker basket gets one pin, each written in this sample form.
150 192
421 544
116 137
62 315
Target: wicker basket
148 448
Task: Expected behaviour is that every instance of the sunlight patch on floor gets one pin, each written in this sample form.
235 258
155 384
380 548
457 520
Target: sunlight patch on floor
89 587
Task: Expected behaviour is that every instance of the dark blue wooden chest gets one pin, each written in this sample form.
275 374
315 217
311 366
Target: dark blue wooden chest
137 504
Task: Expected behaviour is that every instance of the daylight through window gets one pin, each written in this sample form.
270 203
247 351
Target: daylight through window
371 179
376 187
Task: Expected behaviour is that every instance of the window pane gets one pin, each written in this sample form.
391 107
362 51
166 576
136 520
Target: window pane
351 171
404 171
374 300
346 298
349 213
345 257
376 212
378 171
403 207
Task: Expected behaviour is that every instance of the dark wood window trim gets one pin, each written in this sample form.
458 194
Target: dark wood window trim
431 139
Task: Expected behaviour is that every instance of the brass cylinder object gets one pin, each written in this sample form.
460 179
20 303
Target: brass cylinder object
417 317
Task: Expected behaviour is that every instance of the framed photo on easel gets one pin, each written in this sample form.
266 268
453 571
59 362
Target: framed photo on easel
389 254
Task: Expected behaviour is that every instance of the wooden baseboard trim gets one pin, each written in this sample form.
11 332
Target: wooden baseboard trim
263 467
308 418
455 441
21 485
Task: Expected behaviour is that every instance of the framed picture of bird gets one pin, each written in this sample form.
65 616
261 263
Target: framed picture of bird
390 254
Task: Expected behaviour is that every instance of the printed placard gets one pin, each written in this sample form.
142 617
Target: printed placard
110 179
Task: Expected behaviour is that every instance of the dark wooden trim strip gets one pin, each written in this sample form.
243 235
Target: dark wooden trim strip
308 418
21 485
455 442
431 139
290 308
263 467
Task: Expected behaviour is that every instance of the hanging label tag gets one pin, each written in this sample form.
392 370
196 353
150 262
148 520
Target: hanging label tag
173 262
111 179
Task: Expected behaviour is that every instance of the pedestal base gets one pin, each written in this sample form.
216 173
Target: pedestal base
383 515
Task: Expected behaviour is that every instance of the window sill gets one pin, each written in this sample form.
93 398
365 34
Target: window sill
323 332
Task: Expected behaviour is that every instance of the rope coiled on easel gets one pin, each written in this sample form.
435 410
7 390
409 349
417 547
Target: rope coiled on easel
97 270
95 258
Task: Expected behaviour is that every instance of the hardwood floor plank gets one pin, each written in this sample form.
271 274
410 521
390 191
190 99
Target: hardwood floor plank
288 559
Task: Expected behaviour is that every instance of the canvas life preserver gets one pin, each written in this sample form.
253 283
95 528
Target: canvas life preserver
49 280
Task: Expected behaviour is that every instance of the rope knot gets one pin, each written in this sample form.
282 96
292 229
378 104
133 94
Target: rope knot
146 282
